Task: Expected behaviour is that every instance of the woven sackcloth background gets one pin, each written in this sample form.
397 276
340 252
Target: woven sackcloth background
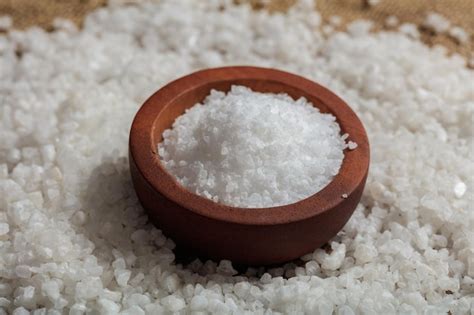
26 13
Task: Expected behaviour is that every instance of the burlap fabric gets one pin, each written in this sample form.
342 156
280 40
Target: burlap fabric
460 12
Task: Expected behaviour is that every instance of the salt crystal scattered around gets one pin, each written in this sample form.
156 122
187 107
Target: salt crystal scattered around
373 2
6 22
436 23
359 27
351 145
392 21
439 24
344 196
410 30
20 311
460 189
407 247
4 228
459 34
327 29
335 20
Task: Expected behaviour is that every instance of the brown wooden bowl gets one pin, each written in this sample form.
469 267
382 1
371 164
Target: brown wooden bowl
243 235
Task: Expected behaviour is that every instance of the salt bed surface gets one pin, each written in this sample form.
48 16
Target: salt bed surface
249 149
74 238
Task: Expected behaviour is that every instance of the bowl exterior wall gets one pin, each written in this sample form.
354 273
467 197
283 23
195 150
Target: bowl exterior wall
241 243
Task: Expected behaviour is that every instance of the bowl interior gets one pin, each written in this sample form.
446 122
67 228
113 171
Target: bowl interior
189 98
162 108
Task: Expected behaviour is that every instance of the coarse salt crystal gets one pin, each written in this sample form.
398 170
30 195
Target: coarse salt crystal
4 302
459 34
107 306
122 276
436 23
76 90
133 310
6 22
4 228
351 145
360 27
23 271
51 289
227 136
373 2
20 311
392 21
79 218
460 189
198 303
173 303
3 171
335 20
410 30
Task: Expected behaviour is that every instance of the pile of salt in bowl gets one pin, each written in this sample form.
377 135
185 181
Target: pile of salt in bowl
74 239
253 150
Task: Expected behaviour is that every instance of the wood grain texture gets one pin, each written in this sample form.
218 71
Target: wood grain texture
250 236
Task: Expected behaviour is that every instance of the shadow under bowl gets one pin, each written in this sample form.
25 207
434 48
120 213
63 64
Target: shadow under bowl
252 236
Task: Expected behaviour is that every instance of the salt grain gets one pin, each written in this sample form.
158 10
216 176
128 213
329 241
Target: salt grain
373 2
122 276
173 303
460 189
291 154
392 21
23 271
4 302
335 20
20 311
436 23
351 145
6 22
198 303
410 30
51 289
107 307
459 34
4 228
134 310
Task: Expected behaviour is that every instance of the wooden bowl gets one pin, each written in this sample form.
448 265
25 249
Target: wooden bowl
249 236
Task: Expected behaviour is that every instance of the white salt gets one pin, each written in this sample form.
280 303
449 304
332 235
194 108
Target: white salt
409 29
198 303
392 21
21 311
250 149
459 34
460 189
4 228
51 289
335 20
6 22
107 307
352 145
372 2
173 303
436 23
122 276
408 242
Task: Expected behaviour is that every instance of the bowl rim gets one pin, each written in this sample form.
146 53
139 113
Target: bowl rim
143 149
